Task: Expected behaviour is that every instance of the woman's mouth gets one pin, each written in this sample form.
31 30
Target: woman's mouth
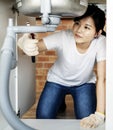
78 36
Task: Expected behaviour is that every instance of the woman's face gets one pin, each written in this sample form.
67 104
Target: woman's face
84 30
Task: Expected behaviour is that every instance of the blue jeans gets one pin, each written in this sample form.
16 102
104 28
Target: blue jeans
84 97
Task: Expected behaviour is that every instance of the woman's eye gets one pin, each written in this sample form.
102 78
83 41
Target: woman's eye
77 23
87 28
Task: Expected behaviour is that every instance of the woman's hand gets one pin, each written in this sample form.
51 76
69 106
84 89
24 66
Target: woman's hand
28 45
93 121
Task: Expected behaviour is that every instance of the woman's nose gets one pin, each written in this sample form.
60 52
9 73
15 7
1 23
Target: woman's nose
80 29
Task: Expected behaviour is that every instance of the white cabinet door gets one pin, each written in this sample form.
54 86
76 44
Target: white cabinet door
25 73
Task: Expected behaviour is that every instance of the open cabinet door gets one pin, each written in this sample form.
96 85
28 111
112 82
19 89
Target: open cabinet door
25 72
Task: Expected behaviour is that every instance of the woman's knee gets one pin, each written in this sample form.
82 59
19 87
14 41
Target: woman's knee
44 115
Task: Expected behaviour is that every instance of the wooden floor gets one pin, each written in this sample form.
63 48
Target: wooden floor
68 114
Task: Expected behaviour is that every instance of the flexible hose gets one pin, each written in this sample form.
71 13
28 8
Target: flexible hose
5 105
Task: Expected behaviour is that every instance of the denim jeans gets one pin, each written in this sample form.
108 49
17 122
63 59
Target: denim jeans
84 97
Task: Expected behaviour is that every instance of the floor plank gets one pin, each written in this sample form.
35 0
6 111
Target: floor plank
68 114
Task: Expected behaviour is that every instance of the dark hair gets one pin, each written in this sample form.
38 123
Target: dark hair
96 14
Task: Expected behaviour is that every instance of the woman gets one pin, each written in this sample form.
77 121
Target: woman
78 51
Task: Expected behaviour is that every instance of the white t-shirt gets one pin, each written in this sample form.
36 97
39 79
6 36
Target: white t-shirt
71 67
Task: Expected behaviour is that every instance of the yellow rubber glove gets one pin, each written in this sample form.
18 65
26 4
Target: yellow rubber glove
28 45
93 121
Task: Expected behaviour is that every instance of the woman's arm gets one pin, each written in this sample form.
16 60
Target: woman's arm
96 119
100 87
41 46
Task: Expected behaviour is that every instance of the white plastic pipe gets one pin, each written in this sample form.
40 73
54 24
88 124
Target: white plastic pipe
45 10
33 29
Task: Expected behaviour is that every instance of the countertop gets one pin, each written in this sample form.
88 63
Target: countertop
55 124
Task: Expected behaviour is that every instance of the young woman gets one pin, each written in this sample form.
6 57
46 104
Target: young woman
78 51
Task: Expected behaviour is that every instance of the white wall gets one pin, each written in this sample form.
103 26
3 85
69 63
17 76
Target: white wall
109 74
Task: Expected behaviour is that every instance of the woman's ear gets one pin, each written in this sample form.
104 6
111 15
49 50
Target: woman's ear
98 34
